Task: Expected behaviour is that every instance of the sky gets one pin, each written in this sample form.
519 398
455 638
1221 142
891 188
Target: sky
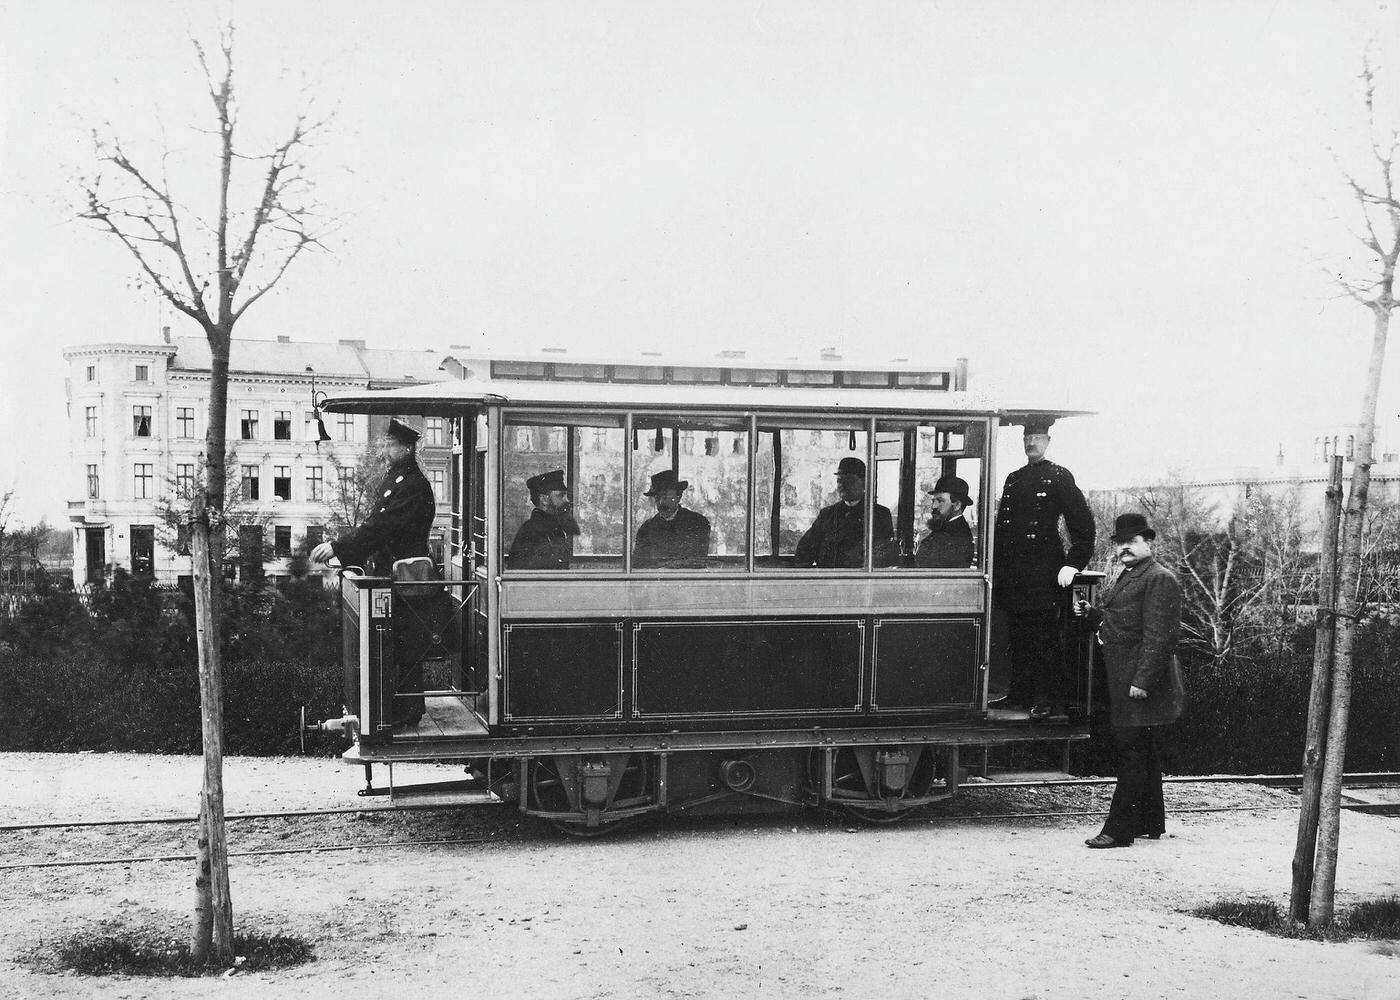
1131 208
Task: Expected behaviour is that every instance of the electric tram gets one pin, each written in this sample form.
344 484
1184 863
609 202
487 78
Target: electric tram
733 679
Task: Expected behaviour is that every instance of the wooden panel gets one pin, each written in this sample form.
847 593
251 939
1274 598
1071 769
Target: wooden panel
562 672
923 663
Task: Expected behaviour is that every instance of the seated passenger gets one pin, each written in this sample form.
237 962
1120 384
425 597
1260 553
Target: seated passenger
546 540
674 534
836 539
948 544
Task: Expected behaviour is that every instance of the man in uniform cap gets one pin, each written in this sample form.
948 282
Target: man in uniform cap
1031 568
836 539
546 539
674 534
948 544
401 513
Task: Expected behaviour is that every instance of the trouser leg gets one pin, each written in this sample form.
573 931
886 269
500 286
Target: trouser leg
1137 758
1037 661
1152 814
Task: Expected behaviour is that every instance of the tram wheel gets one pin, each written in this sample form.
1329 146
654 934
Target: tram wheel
583 831
852 790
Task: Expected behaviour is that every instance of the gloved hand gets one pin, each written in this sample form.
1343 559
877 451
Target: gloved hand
1067 575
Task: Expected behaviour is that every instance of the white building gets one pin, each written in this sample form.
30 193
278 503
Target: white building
137 418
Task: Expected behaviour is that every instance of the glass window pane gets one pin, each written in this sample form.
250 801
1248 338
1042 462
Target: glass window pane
706 527
932 530
921 380
811 378
693 375
878 379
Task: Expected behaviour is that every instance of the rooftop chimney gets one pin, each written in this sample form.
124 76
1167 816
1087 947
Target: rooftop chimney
829 354
284 340
165 334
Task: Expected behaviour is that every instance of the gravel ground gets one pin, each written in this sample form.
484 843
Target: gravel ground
795 906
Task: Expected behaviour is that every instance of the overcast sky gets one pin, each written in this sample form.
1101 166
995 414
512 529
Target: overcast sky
1126 207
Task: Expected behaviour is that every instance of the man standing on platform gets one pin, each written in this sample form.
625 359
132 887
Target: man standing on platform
1030 570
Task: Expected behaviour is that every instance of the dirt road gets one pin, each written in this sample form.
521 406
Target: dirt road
797 907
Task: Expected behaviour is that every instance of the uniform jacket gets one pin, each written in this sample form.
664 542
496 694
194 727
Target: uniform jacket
659 541
541 543
836 538
397 526
947 546
1141 622
1028 550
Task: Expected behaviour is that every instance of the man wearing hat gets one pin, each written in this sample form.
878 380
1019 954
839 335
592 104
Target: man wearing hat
836 539
401 514
1141 619
673 533
546 539
1031 568
948 544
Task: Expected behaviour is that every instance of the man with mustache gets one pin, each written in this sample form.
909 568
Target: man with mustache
675 535
836 539
948 544
546 540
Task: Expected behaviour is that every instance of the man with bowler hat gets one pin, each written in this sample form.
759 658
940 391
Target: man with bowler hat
948 544
546 539
836 539
1140 619
674 534
1031 568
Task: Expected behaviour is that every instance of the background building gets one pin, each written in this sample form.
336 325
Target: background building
137 418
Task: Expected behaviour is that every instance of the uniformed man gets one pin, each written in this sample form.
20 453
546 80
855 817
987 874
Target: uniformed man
836 539
948 544
546 539
674 534
401 516
1030 569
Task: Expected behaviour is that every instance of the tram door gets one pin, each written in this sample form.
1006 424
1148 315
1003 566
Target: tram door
469 542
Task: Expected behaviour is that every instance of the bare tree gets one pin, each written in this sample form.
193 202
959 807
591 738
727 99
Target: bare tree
1372 286
178 503
211 264
352 492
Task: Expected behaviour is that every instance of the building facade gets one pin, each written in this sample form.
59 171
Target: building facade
138 413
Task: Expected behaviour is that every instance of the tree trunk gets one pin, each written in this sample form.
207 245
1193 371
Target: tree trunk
1318 702
1348 611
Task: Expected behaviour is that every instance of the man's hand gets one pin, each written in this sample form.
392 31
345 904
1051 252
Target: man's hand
322 553
1067 575
1136 692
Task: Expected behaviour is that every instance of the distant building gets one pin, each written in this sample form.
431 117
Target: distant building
137 419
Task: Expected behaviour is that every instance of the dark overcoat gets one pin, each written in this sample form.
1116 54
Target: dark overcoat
836 539
398 523
947 546
1141 623
541 543
1028 551
659 541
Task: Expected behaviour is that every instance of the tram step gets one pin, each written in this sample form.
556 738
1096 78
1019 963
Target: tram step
443 797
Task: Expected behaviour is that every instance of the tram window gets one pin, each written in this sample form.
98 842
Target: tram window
717 491
910 459
796 480
590 453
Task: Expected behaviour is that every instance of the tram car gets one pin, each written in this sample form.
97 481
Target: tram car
742 673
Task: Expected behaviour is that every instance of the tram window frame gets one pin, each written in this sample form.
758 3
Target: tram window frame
954 441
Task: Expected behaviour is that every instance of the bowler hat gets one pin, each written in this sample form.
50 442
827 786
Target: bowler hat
850 467
402 429
546 482
955 487
666 480
1126 526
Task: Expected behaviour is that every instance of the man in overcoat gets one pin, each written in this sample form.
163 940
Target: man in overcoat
546 539
675 534
948 544
1141 619
836 539
1031 568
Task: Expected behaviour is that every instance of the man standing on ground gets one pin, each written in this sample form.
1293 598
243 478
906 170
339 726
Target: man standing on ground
1031 568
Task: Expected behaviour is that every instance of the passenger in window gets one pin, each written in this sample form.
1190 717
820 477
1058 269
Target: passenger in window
546 540
675 536
948 544
836 539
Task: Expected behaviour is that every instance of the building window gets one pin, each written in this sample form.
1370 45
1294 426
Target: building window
90 421
184 421
433 429
315 484
92 373
184 479
282 425
141 421
143 477
250 482
345 426
556 440
1327 449
282 482
315 535
143 373
248 425
1351 447
282 540
436 476
345 482
1317 449
524 439
182 539
94 485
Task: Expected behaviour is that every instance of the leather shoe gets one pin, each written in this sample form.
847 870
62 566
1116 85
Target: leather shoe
1048 713
1103 841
